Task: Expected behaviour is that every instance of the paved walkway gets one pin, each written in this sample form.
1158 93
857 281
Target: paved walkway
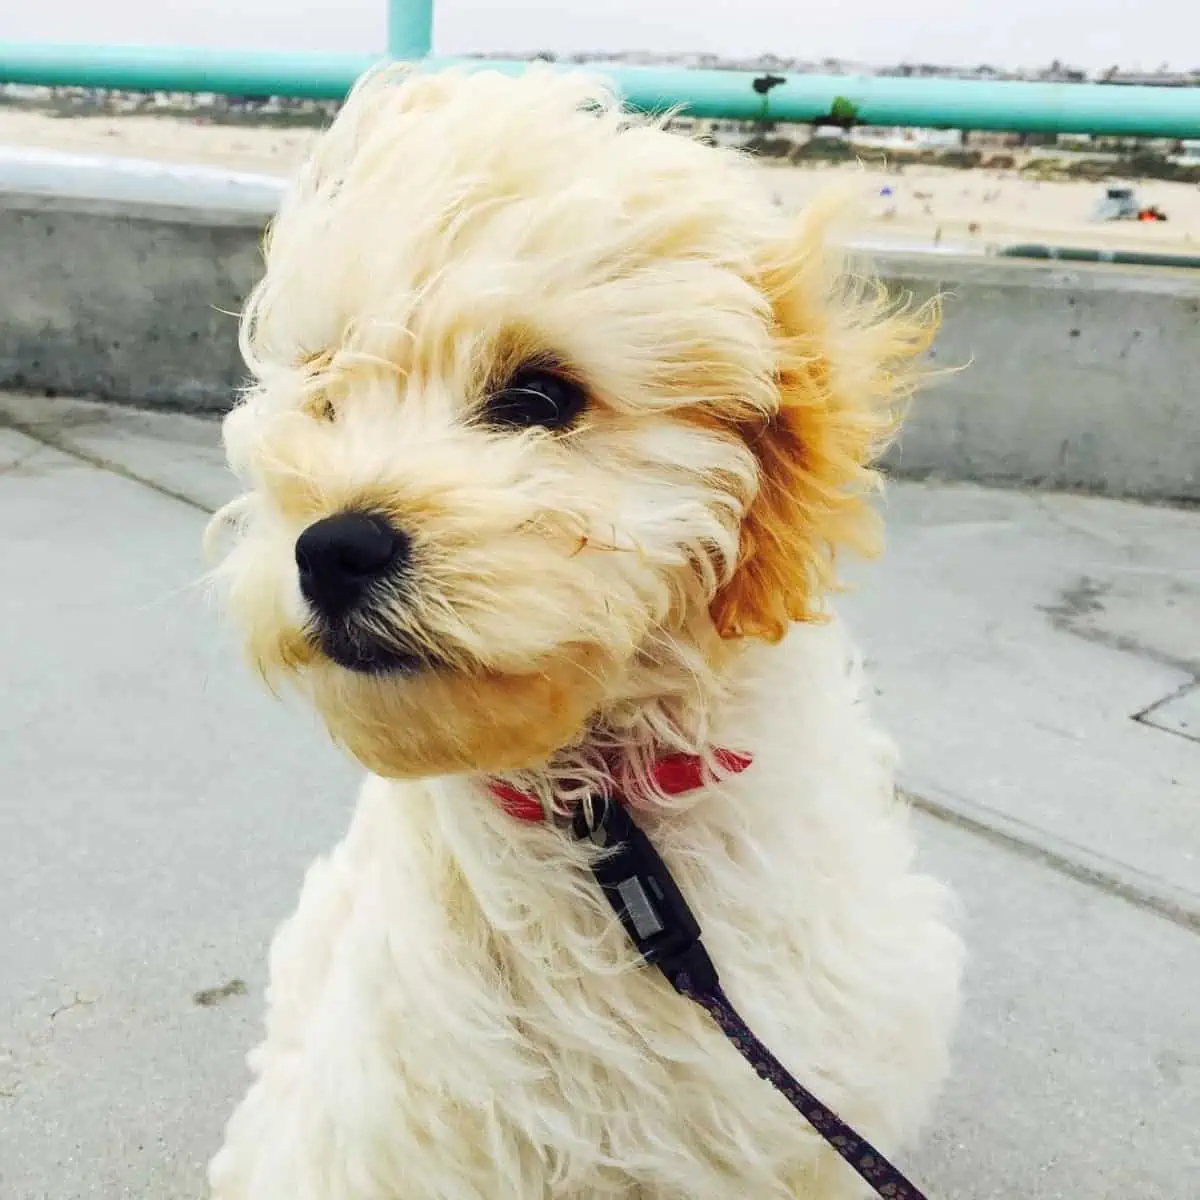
1037 657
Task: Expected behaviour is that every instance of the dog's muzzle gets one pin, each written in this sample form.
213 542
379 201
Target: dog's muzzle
346 562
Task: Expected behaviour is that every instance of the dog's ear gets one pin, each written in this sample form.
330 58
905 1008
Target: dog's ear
845 362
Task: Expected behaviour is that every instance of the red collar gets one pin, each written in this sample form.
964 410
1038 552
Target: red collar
672 775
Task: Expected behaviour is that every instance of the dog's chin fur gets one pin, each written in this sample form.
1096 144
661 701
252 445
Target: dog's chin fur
452 1011
454 723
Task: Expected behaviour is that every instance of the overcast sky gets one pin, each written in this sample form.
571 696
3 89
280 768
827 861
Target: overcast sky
1088 33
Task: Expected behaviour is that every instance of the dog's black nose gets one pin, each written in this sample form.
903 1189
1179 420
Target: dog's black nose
341 556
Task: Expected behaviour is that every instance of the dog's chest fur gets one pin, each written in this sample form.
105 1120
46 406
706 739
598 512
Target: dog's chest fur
453 1005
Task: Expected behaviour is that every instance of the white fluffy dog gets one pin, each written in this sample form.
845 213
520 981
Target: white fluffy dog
556 428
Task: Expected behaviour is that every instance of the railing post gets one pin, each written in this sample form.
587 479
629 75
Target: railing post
410 29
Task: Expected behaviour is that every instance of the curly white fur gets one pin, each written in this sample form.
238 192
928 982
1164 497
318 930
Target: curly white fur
453 1012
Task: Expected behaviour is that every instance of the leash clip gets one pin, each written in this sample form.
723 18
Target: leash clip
643 894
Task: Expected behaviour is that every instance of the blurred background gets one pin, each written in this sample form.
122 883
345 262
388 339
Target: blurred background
1023 33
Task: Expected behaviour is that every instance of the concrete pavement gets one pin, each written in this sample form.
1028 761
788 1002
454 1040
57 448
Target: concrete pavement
1037 657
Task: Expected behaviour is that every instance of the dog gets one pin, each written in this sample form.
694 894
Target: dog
556 428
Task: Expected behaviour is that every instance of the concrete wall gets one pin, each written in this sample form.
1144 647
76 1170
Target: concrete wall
124 301
1075 377
1078 377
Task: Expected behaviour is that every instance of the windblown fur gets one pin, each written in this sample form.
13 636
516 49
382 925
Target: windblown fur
453 1013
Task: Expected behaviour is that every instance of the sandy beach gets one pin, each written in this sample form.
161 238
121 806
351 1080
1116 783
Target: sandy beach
978 207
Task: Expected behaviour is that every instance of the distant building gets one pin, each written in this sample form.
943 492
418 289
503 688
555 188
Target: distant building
1152 79
907 139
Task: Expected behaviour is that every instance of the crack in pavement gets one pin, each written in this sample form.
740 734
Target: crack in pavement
1067 858
1146 715
51 441
1085 599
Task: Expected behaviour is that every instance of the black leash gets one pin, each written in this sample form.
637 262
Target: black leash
662 927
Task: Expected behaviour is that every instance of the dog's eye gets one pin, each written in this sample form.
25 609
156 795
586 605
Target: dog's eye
536 398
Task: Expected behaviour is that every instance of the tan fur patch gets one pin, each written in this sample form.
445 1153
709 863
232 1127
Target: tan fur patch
846 364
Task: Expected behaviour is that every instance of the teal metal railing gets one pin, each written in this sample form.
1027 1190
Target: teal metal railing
409 28
738 95
151 69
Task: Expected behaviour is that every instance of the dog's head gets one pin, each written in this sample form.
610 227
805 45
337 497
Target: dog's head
552 410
